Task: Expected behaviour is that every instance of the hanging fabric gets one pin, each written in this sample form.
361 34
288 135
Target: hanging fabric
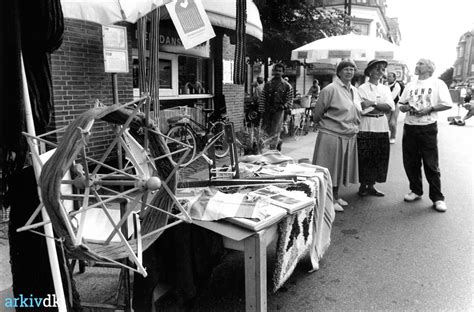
239 58
142 30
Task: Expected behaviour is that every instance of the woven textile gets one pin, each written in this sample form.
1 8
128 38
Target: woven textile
239 59
306 232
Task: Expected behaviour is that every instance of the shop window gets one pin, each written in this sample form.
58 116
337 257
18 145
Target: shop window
193 75
361 28
179 76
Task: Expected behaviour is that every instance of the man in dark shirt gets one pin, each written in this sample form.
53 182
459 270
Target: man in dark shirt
276 98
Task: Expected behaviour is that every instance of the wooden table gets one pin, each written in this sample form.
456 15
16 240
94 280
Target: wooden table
254 245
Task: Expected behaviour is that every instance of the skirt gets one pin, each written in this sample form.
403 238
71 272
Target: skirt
374 152
339 155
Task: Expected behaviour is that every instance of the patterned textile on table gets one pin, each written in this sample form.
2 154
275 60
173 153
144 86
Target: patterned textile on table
373 152
269 157
298 236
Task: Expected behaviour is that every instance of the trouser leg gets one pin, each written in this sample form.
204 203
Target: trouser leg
392 122
412 158
275 127
429 150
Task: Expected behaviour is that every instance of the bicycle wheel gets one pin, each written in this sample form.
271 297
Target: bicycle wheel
221 147
181 133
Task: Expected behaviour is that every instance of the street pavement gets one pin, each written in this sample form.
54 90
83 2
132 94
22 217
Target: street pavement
385 254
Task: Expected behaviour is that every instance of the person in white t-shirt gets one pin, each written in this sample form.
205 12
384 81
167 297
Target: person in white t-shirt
421 100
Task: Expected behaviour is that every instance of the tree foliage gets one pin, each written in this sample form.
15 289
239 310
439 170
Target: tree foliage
447 76
289 24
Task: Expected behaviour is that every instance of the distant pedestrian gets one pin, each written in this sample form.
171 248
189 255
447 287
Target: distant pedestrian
421 100
314 92
392 116
373 138
337 117
276 98
258 89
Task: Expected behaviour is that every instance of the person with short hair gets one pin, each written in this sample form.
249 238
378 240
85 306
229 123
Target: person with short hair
392 116
337 117
421 101
276 98
373 138
314 91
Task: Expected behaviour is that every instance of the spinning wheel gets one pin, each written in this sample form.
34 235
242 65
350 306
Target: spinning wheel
74 186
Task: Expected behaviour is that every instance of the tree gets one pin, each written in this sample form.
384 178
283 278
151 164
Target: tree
289 24
447 76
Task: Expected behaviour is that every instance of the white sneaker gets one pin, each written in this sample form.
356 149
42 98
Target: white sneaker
342 202
392 141
440 206
338 208
411 197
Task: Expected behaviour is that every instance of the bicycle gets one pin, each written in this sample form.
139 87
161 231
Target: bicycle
183 137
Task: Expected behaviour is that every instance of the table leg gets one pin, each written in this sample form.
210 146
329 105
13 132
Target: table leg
255 253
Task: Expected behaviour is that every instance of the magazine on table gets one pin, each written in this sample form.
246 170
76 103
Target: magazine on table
250 212
291 201
271 215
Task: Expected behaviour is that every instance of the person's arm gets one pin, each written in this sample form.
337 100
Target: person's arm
444 101
386 103
262 100
404 101
289 97
321 104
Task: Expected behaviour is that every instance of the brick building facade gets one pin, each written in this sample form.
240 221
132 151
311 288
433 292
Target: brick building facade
79 79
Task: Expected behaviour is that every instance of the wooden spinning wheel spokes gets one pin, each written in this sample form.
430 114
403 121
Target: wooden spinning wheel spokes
76 188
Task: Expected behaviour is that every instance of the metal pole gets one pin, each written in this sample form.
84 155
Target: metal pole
304 77
115 88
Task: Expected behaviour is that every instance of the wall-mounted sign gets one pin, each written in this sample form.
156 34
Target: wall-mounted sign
115 49
191 22
302 54
169 41
342 54
387 55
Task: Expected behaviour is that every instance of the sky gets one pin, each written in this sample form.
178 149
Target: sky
431 29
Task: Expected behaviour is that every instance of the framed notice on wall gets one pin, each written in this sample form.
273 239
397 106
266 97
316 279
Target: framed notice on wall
115 49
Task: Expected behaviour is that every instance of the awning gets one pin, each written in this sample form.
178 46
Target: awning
358 48
222 13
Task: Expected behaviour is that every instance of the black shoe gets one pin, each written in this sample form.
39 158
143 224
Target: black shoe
278 147
363 190
374 192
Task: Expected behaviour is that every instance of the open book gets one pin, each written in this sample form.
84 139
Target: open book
291 201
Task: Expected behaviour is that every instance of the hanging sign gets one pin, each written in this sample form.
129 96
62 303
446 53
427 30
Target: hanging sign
191 22
115 49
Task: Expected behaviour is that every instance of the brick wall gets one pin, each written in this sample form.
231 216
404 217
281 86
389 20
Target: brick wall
234 99
79 79
234 94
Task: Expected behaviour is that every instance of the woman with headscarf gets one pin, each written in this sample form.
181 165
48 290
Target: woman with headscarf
337 117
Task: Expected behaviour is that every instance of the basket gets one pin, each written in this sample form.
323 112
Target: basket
305 101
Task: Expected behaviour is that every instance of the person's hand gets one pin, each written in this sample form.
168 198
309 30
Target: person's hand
404 108
424 111
366 103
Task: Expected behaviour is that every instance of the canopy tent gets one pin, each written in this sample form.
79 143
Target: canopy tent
361 49
221 13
